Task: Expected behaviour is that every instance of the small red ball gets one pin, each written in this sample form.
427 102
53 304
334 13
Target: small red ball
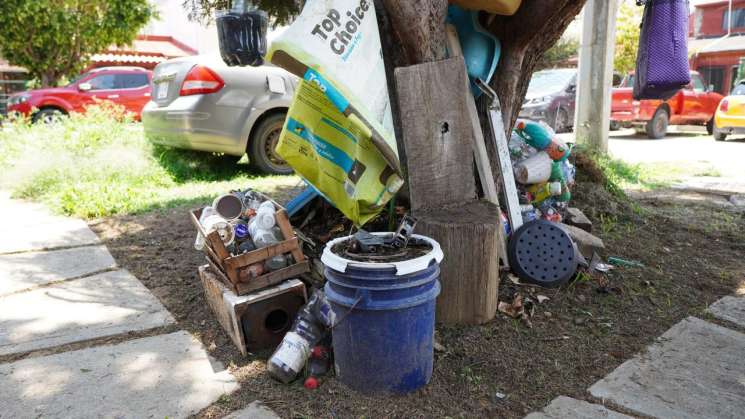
311 383
318 352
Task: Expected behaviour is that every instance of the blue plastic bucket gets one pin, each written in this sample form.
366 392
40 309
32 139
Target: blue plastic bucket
383 331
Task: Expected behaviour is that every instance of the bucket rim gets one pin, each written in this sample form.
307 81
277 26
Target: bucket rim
405 267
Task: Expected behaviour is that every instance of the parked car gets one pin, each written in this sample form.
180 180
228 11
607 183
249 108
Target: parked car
126 86
200 103
693 105
730 116
551 98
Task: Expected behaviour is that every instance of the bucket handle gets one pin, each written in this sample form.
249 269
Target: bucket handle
340 320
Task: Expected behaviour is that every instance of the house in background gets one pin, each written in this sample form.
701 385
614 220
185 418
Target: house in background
172 35
713 53
12 79
145 51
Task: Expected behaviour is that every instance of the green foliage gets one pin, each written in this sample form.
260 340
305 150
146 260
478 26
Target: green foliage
627 36
54 38
563 50
100 164
281 11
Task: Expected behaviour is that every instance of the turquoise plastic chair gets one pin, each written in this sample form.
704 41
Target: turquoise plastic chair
481 50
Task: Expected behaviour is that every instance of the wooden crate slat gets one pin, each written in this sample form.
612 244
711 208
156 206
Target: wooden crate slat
272 278
258 255
221 275
287 232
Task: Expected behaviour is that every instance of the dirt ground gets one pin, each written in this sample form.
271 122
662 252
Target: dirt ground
692 254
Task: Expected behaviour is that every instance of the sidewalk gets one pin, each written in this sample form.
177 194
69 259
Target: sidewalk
81 338
694 370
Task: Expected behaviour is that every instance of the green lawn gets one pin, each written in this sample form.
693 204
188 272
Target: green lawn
100 164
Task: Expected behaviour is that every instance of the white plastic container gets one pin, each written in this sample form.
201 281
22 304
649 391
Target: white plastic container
535 169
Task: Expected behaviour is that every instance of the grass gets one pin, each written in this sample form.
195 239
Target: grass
100 164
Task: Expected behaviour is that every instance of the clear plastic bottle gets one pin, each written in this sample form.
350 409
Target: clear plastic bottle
263 238
265 217
206 212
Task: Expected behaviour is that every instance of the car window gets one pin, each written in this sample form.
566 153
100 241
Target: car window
103 82
739 90
131 81
698 85
550 80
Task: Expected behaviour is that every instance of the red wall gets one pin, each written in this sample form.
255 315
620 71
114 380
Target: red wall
711 20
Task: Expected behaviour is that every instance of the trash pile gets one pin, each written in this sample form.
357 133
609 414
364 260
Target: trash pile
245 221
543 172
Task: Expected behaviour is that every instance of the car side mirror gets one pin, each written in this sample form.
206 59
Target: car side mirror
572 88
710 88
84 87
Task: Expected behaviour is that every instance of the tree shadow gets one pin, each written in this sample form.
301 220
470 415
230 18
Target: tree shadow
189 165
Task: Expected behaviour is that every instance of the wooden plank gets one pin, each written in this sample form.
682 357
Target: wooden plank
213 291
272 278
259 255
287 232
436 133
481 155
220 274
479 145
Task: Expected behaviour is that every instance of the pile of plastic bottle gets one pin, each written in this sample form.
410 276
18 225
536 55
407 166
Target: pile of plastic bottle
543 173
245 222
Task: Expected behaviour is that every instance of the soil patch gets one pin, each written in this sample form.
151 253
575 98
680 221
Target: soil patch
692 256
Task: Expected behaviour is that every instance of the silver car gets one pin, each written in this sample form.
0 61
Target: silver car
200 103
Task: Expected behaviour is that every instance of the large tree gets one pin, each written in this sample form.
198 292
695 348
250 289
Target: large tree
54 38
413 32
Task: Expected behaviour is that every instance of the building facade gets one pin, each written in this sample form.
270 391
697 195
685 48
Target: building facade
714 46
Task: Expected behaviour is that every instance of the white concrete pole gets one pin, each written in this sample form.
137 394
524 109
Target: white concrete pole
595 81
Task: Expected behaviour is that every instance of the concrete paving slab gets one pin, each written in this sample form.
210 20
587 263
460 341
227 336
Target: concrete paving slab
96 306
731 309
569 408
65 232
25 270
255 410
695 370
157 377
26 226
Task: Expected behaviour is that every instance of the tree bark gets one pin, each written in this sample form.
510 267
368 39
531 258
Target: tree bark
418 27
525 37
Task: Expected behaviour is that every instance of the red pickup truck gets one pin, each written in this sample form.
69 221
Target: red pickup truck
693 105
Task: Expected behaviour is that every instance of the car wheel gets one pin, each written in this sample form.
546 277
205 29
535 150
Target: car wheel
718 135
261 150
657 127
47 116
561 122
710 126
614 126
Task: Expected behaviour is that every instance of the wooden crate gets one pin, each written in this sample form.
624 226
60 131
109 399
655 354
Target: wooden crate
229 308
232 270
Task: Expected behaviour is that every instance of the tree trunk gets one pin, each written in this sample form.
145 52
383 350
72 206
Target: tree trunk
48 79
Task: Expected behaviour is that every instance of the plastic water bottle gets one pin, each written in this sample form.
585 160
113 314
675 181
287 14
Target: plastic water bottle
264 238
265 217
